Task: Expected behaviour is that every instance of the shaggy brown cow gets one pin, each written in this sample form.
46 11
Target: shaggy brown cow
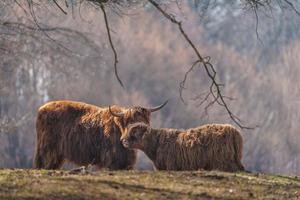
208 147
85 134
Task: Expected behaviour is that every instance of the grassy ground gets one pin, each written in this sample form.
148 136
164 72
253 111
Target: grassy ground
43 184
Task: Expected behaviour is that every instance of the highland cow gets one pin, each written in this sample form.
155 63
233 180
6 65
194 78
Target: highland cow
208 147
85 134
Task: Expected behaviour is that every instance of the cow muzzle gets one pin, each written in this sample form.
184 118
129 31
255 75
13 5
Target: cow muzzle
125 143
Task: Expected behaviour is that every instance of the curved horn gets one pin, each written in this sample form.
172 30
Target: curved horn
120 114
158 107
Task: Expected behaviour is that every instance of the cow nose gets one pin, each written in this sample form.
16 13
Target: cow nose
125 143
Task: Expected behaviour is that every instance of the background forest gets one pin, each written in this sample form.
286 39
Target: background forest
257 62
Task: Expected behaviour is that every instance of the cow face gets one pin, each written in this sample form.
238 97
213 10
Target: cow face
133 136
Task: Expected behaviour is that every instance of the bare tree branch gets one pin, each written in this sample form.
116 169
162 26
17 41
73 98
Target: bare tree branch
215 88
182 83
32 13
111 45
101 4
293 7
62 10
257 24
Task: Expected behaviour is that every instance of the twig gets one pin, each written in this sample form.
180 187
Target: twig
293 7
62 10
182 83
31 10
111 45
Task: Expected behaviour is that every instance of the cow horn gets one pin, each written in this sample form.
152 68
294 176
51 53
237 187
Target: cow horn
120 114
158 107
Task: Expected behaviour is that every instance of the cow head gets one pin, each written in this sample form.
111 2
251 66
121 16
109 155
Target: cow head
132 115
133 137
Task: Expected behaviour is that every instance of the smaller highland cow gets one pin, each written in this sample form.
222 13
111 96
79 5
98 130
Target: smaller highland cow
208 147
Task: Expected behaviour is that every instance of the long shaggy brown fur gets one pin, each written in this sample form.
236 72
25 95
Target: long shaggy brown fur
208 147
84 134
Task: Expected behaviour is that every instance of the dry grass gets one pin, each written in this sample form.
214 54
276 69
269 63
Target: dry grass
43 184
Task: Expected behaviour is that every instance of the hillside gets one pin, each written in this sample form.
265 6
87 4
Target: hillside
33 184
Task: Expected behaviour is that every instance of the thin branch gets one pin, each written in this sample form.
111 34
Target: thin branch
62 10
293 7
31 10
32 13
111 45
257 24
20 5
209 68
204 99
182 83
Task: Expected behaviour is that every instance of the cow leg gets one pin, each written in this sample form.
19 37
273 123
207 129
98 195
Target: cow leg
123 160
240 166
38 160
48 159
54 163
54 160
